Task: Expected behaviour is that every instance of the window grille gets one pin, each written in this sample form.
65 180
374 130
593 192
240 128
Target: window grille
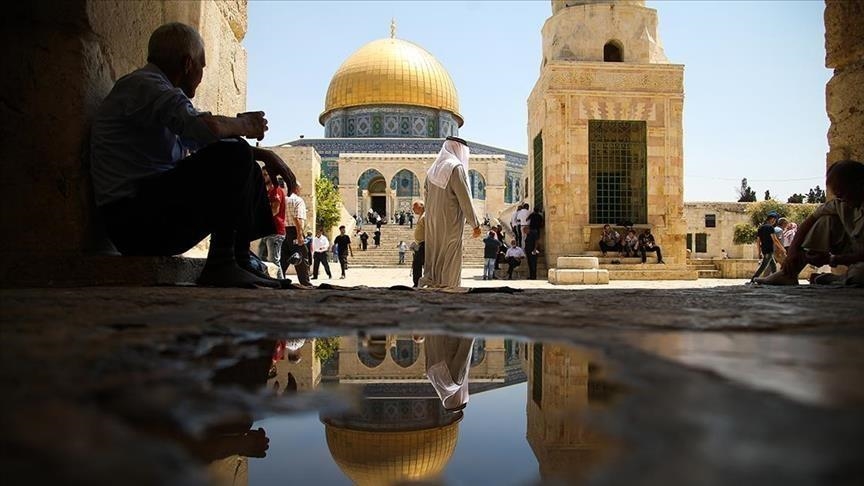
538 173
617 171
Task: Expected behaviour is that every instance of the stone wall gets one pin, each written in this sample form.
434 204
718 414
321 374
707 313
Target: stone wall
727 215
844 95
64 58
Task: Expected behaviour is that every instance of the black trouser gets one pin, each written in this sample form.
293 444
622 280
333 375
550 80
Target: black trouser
517 234
417 263
604 247
643 250
175 210
321 258
343 262
530 246
513 262
289 247
767 263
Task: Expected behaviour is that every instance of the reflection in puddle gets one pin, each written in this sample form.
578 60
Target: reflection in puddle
430 408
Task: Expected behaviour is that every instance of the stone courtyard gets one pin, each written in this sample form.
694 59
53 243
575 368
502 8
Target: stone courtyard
721 383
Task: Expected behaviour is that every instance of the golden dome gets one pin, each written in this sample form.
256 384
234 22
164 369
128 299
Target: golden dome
392 72
388 457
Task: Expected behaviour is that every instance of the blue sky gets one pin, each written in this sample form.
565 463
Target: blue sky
754 76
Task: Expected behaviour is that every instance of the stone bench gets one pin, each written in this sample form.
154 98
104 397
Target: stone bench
578 271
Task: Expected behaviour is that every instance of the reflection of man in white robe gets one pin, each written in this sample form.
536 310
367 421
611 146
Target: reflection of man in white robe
448 204
448 360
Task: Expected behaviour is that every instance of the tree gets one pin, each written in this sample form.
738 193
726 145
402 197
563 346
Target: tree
327 204
326 348
744 234
745 193
796 199
816 196
767 194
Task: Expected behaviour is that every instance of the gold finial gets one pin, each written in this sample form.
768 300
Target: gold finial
393 28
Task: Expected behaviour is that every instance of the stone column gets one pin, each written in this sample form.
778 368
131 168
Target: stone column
844 96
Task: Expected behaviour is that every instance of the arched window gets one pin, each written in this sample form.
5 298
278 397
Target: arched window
477 183
612 52
406 184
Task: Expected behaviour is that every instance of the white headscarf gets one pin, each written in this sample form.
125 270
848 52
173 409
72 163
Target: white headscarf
451 155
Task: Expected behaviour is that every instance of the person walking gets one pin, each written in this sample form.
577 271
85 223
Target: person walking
448 205
768 242
277 206
343 243
402 247
294 248
419 257
320 245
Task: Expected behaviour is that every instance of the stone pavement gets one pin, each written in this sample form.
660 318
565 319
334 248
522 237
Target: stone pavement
724 383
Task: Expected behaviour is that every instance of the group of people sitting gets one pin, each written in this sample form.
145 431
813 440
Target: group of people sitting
629 244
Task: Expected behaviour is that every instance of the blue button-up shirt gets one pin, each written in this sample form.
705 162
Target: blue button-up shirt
144 126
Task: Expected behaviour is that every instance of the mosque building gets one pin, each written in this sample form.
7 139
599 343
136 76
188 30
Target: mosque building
387 111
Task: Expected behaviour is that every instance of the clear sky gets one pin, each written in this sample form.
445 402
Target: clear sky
754 76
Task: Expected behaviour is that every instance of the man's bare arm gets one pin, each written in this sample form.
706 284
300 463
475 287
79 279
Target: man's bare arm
251 125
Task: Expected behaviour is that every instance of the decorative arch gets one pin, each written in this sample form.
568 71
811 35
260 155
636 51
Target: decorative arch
405 352
372 352
613 51
477 183
478 352
366 178
406 184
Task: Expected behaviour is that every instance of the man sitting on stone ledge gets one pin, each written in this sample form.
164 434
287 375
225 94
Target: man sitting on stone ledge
166 175
833 235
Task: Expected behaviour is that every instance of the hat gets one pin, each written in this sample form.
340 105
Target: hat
772 214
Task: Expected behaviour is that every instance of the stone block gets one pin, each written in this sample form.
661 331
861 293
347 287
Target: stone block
589 277
844 33
577 262
602 276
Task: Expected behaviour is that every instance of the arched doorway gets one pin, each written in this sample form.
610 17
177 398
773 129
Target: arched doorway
372 193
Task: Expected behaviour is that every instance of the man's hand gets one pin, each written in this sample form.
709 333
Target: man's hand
273 164
476 233
254 124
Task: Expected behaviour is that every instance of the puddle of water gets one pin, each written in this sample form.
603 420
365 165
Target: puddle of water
409 413
818 370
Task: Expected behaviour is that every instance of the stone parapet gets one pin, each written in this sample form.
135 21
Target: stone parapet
566 276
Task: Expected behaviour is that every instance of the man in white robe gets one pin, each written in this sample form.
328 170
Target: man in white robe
448 205
448 360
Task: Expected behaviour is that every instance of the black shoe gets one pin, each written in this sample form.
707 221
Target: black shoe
294 259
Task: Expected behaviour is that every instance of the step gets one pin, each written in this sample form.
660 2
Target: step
652 274
709 273
569 276
635 266
577 263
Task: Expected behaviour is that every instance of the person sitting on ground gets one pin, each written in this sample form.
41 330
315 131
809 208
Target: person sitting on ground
514 257
610 240
647 244
768 243
630 244
156 198
833 235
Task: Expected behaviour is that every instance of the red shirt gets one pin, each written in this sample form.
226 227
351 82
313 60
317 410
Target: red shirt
277 194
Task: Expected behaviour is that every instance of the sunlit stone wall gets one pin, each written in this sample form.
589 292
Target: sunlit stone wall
65 58
844 95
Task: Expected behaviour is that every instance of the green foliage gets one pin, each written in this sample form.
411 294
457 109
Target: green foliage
758 210
326 348
745 192
328 202
800 212
816 196
744 234
796 199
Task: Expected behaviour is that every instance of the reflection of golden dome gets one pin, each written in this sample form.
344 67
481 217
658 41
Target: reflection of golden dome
392 72
387 457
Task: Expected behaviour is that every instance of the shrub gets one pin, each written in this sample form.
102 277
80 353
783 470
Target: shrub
744 234
328 202
758 210
326 348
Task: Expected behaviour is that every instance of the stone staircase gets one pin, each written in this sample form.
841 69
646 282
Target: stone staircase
387 255
704 268
633 269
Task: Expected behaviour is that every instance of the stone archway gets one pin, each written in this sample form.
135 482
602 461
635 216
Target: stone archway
372 193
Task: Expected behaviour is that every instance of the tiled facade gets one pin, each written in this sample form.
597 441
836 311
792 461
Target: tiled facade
390 121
